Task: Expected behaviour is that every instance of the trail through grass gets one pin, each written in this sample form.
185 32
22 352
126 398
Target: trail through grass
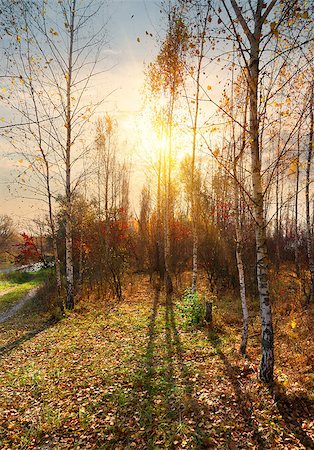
131 377
15 285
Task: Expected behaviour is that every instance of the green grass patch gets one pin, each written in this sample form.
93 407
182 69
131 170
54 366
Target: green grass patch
133 376
15 285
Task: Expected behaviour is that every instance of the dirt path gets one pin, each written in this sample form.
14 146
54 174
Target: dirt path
132 377
11 311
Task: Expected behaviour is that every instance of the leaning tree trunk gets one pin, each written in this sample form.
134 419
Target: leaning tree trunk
267 361
240 266
49 197
307 198
239 237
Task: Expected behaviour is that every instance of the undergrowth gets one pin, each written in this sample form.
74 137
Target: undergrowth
134 376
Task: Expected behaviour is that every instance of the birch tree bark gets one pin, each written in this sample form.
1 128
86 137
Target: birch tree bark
194 193
296 209
309 243
238 230
68 192
254 38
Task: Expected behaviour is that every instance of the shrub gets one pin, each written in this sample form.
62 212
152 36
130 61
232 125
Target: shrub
192 309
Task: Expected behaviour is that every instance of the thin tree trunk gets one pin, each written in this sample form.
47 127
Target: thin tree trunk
307 198
168 280
240 266
55 248
49 197
68 224
296 218
239 236
278 222
194 209
160 264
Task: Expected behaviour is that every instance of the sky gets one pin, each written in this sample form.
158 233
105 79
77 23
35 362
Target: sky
128 50
134 29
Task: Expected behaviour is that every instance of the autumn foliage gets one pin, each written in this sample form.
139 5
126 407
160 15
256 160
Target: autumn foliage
27 250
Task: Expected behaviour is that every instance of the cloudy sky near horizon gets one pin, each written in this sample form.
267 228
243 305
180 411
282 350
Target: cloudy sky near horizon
128 49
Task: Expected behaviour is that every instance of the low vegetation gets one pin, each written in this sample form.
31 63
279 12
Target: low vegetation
134 375
14 286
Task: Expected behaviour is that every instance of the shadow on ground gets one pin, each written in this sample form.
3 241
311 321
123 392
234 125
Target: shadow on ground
163 409
7 348
293 410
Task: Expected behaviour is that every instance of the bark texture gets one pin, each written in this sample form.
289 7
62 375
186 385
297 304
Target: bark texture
68 194
267 361
254 38
310 255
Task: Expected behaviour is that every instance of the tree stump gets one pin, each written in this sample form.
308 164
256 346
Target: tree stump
208 312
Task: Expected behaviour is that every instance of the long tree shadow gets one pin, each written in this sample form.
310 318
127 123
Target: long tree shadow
160 406
243 399
147 411
138 412
188 408
294 409
7 348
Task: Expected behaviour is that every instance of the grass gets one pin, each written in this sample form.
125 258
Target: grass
131 376
15 285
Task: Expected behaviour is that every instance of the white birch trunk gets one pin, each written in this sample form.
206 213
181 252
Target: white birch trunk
307 198
68 225
296 218
267 362
240 265
194 209
254 38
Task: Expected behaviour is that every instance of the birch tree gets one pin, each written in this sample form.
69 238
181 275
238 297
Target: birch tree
59 51
197 15
309 233
248 25
166 76
254 36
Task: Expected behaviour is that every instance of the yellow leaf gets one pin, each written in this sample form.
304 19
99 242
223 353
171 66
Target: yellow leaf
3 90
293 324
20 161
18 38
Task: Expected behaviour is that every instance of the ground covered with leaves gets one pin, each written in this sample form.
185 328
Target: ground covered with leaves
130 375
